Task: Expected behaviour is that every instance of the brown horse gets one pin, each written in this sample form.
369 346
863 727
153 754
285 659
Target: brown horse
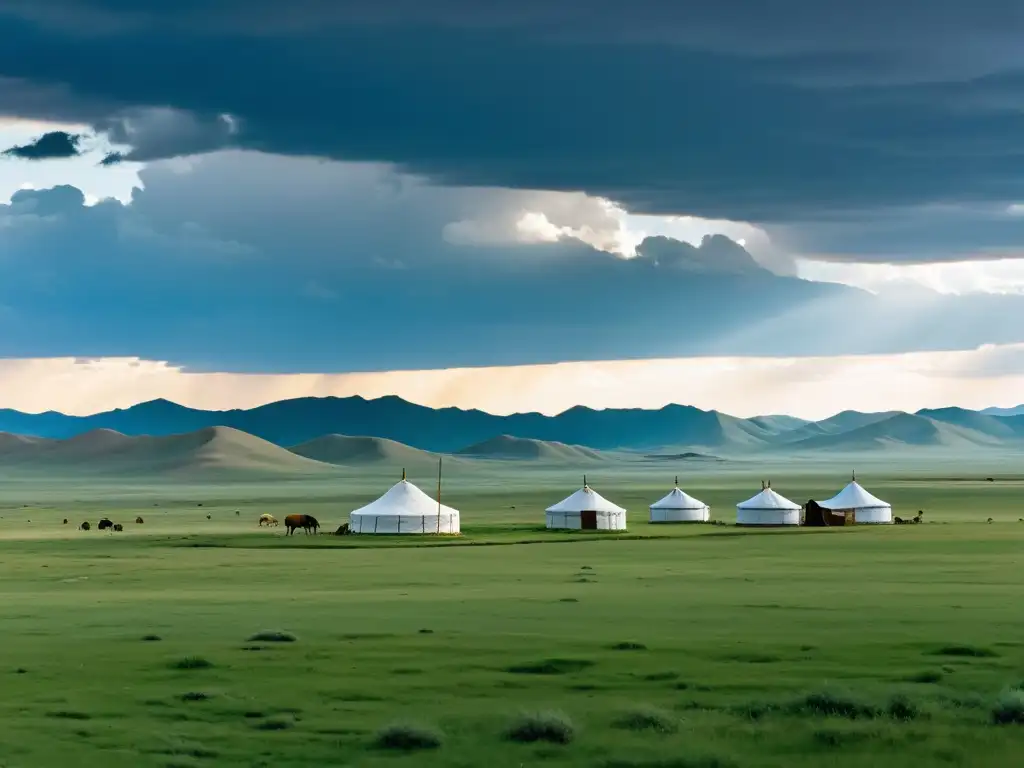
306 522
343 530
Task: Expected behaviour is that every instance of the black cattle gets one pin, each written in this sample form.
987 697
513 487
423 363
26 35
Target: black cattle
84 526
118 527
105 524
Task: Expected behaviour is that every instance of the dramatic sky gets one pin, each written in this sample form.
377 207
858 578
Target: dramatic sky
759 207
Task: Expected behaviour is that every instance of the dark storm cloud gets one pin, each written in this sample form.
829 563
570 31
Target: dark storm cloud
49 146
205 270
736 109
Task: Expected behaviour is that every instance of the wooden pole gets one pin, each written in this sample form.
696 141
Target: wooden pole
439 494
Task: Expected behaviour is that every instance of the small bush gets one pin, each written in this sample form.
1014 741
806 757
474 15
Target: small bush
192 662
276 724
1009 709
629 646
551 667
64 714
569 600
834 704
195 696
700 761
966 651
272 636
551 727
903 708
151 638
839 737
407 737
647 719
426 631
929 676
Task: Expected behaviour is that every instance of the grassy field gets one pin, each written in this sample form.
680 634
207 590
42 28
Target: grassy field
677 647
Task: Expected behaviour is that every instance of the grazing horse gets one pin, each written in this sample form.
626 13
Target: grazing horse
343 530
305 522
266 519
118 527
990 519
65 521
139 520
899 521
84 526
917 518
105 523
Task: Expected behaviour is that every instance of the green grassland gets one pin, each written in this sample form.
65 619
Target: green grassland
662 647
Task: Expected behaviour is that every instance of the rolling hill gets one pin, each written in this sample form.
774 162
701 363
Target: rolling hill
400 432
904 430
508 447
213 451
348 450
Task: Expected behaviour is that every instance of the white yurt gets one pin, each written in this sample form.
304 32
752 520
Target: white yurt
867 509
768 508
405 509
679 507
586 510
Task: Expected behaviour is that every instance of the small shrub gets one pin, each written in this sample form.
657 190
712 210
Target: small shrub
195 696
151 638
647 719
699 761
568 600
21 671
551 727
659 677
629 646
64 714
426 631
551 667
966 651
407 737
191 662
272 636
834 704
1009 708
839 737
929 676
276 724
903 708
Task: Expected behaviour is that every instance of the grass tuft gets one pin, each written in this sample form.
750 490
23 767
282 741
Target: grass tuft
1009 708
926 677
151 638
407 737
551 667
903 708
629 646
192 662
966 651
700 761
834 704
272 636
276 724
195 696
647 718
551 727
63 714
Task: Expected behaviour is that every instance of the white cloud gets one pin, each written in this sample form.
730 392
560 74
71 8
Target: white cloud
997 276
807 387
84 171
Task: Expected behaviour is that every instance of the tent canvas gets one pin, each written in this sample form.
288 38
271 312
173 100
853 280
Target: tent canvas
404 508
867 507
586 509
768 508
679 507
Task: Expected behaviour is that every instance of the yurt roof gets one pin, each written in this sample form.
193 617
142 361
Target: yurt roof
768 499
586 499
404 498
678 499
853 496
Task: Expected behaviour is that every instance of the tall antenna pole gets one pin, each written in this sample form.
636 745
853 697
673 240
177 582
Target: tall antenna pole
439 494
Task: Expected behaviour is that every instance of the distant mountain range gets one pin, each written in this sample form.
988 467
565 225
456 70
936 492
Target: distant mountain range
327 431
